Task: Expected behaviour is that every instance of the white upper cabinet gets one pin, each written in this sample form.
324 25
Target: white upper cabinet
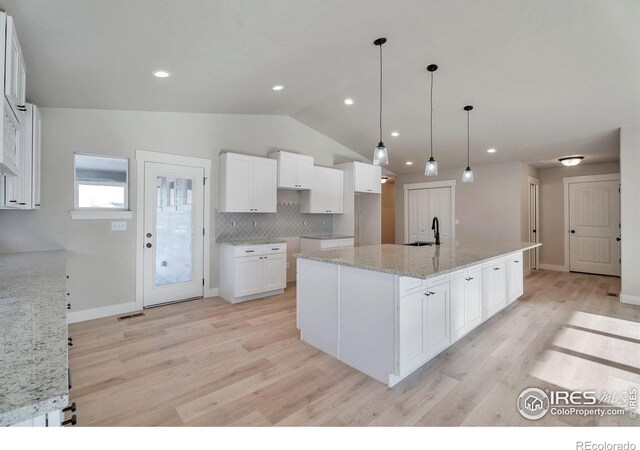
14 71
326 194
247 183
367 178
294 171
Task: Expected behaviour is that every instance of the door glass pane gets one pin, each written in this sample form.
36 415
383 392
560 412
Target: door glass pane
174 230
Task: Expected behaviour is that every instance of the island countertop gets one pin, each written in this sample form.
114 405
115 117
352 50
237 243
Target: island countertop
33 335
418 262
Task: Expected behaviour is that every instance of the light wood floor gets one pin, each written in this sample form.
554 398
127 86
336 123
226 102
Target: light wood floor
207 362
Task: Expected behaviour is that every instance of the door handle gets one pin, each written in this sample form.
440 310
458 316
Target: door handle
618 239
573 231
149 245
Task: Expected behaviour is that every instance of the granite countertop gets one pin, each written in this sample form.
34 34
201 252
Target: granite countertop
256 241
417 262
324 237
33 335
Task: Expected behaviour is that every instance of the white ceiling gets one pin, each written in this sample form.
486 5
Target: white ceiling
547 78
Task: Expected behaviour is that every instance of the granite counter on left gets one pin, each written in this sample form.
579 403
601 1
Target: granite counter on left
33 335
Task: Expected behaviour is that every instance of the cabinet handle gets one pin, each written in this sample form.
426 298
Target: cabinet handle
37 204
249 251
21 203
427 294
71 408
72 421
432 293
13 201
275 249
516 261
68 305
70 341
496 268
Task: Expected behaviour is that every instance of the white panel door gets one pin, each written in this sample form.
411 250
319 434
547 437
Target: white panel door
248 276
173 233
274 272
440 207
594 227
419 225
265 185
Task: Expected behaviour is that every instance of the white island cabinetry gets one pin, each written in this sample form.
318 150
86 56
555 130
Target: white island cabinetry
356 304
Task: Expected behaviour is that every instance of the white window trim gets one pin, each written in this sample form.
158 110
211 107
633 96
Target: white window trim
100 213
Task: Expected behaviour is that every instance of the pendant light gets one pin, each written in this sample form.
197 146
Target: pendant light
380 155
431 169
467 175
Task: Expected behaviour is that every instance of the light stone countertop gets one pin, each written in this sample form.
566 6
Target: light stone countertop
325 237
257 241
417 262
33 335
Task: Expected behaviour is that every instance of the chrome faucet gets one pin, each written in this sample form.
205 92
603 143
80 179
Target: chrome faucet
435 226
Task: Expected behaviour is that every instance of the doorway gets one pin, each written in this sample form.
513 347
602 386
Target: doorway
173 260
423 202
592 215
534 223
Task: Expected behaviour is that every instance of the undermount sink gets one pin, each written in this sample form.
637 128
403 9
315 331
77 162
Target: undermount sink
420 244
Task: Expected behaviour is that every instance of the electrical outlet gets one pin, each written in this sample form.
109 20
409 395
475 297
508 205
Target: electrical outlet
118 226
254 224
233 223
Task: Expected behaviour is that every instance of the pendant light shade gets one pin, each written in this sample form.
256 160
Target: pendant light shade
467 175
380 154
431 169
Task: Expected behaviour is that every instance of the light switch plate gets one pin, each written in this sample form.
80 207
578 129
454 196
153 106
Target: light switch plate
118 226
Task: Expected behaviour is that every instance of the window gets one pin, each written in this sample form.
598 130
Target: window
101 182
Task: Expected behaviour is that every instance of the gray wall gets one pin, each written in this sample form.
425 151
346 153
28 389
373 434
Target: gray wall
552 206
101 263
630 188
490 208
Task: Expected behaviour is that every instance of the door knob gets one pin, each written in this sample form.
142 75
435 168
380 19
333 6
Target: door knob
618 239
149 245
573 231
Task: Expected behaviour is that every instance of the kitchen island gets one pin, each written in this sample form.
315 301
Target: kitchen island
388 309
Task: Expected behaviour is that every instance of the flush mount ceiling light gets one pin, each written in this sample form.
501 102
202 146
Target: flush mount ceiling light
348 101
161 74
395 134
491 150
383 180
467 175
431 169
408 163
571 160
278 87
380 154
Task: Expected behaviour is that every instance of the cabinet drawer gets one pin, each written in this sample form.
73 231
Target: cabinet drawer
247 250
409 285
493 262
272 249
438 279
336 243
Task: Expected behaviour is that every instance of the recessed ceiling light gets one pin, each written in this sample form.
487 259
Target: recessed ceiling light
161 74
395 134
571 160
491 150
348 101
383 180
278 87
408 163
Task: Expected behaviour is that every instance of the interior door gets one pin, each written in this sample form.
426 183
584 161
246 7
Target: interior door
419 225
440 207
594 227
173 233
533 224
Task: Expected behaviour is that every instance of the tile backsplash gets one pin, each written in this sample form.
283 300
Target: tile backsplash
287 222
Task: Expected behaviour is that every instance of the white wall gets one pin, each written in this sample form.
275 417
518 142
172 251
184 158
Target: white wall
552 231
630 214
490 208
101 263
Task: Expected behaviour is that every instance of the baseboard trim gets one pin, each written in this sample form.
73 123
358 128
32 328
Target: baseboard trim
558 267
630 299
99 313
213 292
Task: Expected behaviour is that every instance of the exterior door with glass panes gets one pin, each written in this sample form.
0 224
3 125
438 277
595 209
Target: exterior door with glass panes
173 233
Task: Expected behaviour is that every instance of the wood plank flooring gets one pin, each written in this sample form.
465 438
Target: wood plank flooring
207 362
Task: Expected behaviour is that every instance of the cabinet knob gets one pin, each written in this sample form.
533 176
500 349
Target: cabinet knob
149 235
149 245
573 231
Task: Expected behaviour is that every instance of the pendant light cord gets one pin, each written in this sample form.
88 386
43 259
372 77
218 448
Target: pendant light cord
431 116
468 139
380 92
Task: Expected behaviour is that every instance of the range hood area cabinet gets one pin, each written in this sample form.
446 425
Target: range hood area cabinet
294 171
247 184
326 193
367 178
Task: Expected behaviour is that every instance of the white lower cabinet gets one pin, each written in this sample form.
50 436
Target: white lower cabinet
248 272
466 302
494 287
50 419
515 279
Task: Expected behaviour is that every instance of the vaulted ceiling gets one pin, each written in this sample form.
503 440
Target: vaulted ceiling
546 78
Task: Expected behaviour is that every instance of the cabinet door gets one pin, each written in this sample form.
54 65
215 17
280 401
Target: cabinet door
412 342
487 293
36 155
264 187
304 172
515 276
373 179
437 335
274 272
473 299
248 276
457 289
499 286
334 180
287 171
238 183
14 70
361 177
